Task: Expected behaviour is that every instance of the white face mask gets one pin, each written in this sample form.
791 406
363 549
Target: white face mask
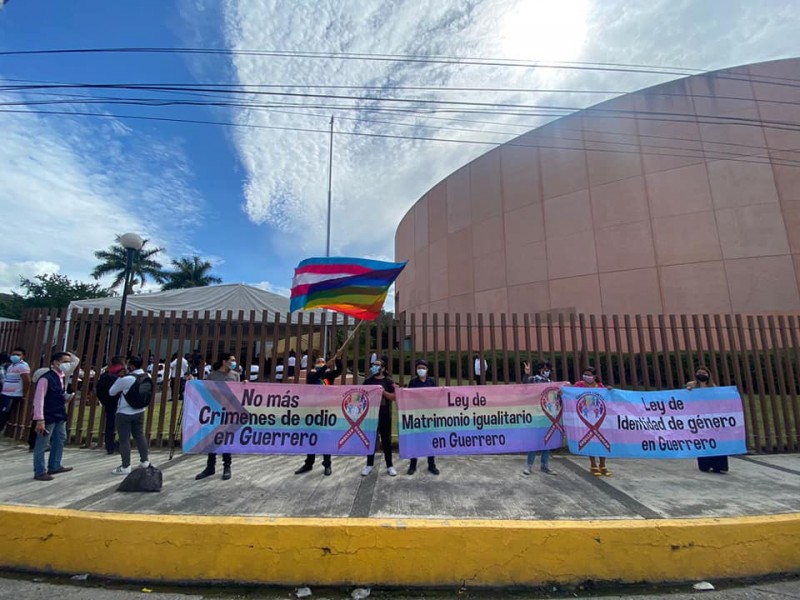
588 378
65 368
546 374
422 373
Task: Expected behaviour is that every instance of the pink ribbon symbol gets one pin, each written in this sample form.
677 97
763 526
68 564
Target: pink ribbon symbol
589 403
361 404
552 396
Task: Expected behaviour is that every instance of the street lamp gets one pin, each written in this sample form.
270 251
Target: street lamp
132 242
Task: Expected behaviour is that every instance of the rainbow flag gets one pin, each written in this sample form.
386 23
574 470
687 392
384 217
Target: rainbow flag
353 286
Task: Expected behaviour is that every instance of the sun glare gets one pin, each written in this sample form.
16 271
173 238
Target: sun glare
544 30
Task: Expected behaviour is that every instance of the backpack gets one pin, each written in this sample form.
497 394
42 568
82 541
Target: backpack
142 480
141 392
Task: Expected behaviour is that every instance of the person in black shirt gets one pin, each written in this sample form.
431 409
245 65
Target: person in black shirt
420 381
322 374
378 377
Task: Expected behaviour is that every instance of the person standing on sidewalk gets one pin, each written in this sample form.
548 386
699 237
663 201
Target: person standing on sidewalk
223 370
379 377
323 373
16 385
717 464
50 415
422 380
130 420
543 376
115 370
589 379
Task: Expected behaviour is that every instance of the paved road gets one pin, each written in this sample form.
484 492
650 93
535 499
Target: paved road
19 587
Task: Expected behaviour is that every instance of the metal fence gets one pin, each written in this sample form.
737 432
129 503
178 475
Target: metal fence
758 354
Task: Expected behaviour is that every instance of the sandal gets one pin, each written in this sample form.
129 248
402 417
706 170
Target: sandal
605 472
595 471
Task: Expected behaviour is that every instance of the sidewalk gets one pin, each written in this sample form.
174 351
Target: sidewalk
470 487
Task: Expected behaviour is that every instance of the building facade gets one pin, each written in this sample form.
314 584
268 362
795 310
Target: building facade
677 199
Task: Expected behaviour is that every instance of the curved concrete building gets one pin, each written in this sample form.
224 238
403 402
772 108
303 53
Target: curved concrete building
680 198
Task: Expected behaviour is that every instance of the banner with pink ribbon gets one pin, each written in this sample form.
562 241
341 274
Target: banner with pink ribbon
479 419
270 418
663 424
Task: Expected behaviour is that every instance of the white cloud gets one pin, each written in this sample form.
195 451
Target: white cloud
271 287
70 185
375 181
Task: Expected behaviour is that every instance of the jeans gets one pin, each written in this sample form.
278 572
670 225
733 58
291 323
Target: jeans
385 431
128 425
56 437
545 458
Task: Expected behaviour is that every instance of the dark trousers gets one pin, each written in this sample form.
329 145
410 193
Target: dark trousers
431 462
385 433
212 461
326 460
108 432
7 404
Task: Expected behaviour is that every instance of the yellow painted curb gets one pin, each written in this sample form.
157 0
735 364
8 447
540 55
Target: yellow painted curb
413 552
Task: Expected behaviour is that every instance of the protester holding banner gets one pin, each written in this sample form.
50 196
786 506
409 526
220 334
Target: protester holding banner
420 381
223 370
589 380
322 374
543 376
717 464
379 377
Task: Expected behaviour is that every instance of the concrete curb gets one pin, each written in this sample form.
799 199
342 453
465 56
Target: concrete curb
412 552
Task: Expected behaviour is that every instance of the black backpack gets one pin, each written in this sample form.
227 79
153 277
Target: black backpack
142 480
141 392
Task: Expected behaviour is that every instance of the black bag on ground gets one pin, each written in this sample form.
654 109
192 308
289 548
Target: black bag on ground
140 393
142 480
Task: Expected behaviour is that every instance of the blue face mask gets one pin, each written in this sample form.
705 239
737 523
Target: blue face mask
15 359
232 364
375 369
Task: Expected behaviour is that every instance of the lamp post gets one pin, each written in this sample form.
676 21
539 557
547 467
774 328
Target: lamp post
132 242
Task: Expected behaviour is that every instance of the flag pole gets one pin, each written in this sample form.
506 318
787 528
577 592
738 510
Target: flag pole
328 236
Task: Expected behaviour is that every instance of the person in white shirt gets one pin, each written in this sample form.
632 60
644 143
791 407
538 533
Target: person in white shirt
304 361
184 371
130 420
292 363
279 370
480 366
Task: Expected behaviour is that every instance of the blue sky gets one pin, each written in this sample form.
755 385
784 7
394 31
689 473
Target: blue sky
252 200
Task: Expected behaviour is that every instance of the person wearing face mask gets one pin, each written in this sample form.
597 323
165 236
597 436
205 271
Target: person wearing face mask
115 370
130 420
589 379
223 370
715 464
323 373
16 385
420 381
543 376
379 377
50 414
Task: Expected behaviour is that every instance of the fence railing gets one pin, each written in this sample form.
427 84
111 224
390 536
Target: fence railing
758 354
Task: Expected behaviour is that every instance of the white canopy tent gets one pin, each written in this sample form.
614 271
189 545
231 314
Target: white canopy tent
230 297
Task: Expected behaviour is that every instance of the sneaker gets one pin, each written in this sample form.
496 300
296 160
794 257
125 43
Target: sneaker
43 477
392 472
120 470
203 474
548 470
144 464
304 469
527 470
366 470
328 471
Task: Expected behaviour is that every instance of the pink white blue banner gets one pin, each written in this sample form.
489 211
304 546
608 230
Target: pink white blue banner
664 424
479 419
269 418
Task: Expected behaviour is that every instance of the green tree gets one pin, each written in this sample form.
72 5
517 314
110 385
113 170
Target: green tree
112 262
189 273
48 291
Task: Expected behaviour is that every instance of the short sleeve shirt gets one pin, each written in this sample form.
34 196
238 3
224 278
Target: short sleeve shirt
12 386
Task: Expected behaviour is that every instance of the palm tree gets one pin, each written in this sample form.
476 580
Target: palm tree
189 273
112 262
